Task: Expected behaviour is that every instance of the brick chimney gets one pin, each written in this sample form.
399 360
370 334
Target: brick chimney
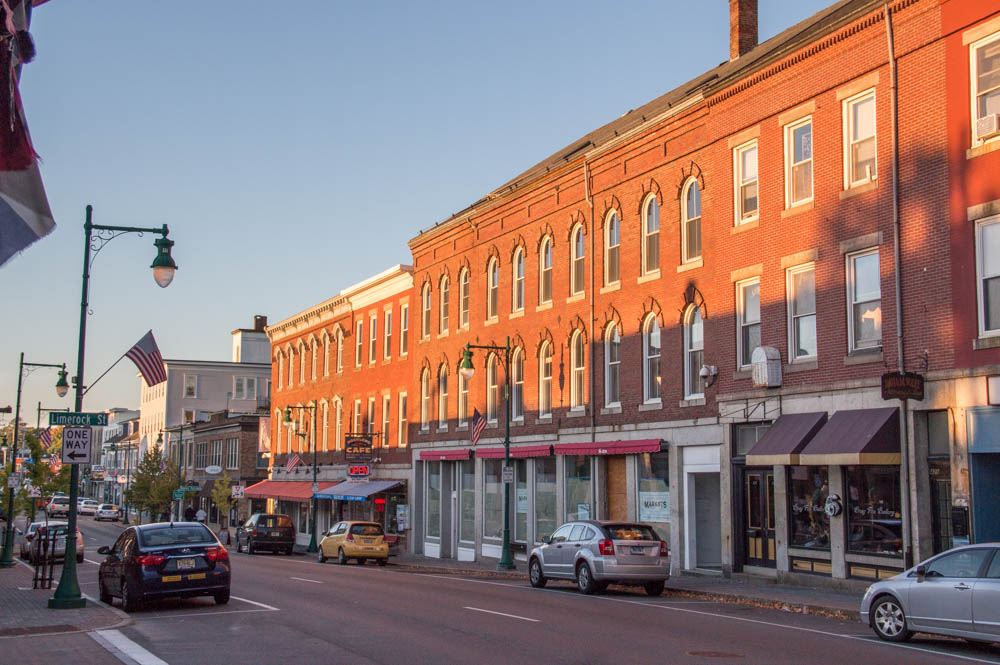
259 322
742 27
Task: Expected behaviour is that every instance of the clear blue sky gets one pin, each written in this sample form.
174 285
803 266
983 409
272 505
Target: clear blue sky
294 148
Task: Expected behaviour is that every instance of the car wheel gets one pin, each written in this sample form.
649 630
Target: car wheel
105 596
382 562
535 574
889 621
341 558
79 558
130 598
654 588
221 597
585 579
320 556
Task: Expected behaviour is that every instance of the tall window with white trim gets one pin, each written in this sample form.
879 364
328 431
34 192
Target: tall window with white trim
651 236
988 270
404 328
492 389
425 399
386 406
302 363
612 366
370 420
545 380
801 285
372 336
463 286
340 350
864 293
612 247
463 400
798 163
326 426
326 354
517 296
425 312
577 396
492 289
387 342
694 344
745 158
985 64
691 224
860 156
403 433
281 369
443 397
748 319
517 385
651 358
359 342
445 297
338 414
313 358
579 255
357 417
545 271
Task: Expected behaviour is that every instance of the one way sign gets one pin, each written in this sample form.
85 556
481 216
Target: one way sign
76 445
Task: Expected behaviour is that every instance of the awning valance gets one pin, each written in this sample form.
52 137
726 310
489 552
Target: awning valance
859 436
356 490
449 455
284 490
519 451
785 439
608 447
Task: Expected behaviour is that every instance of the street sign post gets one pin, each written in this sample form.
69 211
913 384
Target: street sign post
76 445
237 491
78 419
191 488
13 480
178 494
508 474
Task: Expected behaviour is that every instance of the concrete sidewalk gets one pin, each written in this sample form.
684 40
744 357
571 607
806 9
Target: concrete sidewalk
744 589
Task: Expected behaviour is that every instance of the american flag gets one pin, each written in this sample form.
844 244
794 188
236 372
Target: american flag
478 425
146 356
293 462
45 436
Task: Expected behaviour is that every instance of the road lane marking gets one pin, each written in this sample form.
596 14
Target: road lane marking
303 579
96 563
159 617
254 602
119 645
512 616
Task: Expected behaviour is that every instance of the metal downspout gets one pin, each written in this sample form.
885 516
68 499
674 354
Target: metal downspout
590 322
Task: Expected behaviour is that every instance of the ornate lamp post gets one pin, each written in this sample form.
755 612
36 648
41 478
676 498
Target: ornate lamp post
67 595
128 480
293 425
62 387
467 370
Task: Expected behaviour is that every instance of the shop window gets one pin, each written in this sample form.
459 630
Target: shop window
520 499
654 487
579 488
433 499
745 435
467 478
545 497
492 499
874 523
809 524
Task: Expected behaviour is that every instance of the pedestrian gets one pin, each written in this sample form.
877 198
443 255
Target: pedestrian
189 513
200 515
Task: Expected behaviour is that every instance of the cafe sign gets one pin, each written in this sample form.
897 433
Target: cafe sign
905 385
358 448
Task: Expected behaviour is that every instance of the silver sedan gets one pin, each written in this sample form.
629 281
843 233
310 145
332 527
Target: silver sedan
955 593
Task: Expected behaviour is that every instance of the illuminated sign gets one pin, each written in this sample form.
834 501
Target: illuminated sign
359 470
358 448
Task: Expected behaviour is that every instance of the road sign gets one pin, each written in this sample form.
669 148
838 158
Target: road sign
508 474
358 471
76 445
237 491
78 419
35 492
13 480
178 494
191 488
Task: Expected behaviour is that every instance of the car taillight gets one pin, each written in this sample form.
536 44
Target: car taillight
217 554
29 536
663 549
606 546
254 532
350 536
150 559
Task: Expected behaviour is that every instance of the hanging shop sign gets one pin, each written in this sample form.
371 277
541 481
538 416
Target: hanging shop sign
358 448
908 385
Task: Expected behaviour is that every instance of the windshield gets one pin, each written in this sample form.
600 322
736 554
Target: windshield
60 499
175 535
631 532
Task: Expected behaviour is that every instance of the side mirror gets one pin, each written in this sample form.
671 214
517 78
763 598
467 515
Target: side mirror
921 572
547 540
104 549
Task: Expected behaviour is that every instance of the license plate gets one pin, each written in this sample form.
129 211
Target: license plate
171 578
638 549
369 547
276 534
184 564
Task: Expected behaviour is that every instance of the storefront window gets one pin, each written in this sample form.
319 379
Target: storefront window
874 524
433 499
545 497
810 525
654 487
492 499
579 488
467 525
521 500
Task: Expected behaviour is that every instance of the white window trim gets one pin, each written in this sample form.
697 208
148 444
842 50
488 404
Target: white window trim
646 270
848 123
326 354
387 342
425 400
790 317
851 346
464 297
738 181
386 420
444 305
340 351
517 288
544 413
359 344
281 370
686 218
741 362
326 426
789 131
607 246
401 420
338 414
425 312
232 461
492 388
646 356
372 338
492 310
546 247
302 363
575 288
612 328
517 385
314 359
404 329
577 402
370 424
356 419
981 302
195 395
690 381
443 397
974 89
463 401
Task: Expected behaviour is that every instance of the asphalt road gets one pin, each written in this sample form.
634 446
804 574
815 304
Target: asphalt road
295 610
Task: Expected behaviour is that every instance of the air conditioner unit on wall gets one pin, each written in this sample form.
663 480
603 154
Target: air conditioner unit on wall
988 126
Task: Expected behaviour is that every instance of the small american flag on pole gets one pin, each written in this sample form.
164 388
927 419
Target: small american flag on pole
478 425
45 436
293 462
146 356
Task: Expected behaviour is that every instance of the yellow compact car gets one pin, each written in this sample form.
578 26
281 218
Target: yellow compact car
354 540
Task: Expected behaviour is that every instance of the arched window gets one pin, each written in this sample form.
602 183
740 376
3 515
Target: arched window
463 285
492 389
425 311
326 426
694 345
545 272
340 351
463 400
577 360
291 367
545 380
518 294
443 396
425 399
445 297
612 366
276 442
651 358
517 385
579 253
612 245
312 350
290 437
651 236
492 289
691 226
302 362
338 415
326 354
281 370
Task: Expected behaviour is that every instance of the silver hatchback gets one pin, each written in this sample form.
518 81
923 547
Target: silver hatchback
955 593
597 553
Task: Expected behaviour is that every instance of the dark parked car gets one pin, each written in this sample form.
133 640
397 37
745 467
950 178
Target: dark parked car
266 531
164 559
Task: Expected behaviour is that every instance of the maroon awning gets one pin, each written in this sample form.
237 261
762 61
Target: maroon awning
447 455
785 439
519 451
608 447
859 436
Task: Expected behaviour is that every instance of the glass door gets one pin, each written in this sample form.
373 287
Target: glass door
520 500
758 517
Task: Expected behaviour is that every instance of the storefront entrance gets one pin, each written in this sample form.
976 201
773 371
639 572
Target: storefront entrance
758 518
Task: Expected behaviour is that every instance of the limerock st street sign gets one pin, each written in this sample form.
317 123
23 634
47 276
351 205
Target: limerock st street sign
78 419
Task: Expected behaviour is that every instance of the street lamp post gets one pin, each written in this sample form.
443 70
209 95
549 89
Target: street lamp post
291 424
62 387
128 480
467 369
67 595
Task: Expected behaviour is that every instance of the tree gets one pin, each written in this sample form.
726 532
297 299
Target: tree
152 489
40 474
222 495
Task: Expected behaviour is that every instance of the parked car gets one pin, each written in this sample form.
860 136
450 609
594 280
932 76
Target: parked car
87 507
266 531
58 505
354 540
955 593
56 542
106 511
160 560
28 535
596 553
